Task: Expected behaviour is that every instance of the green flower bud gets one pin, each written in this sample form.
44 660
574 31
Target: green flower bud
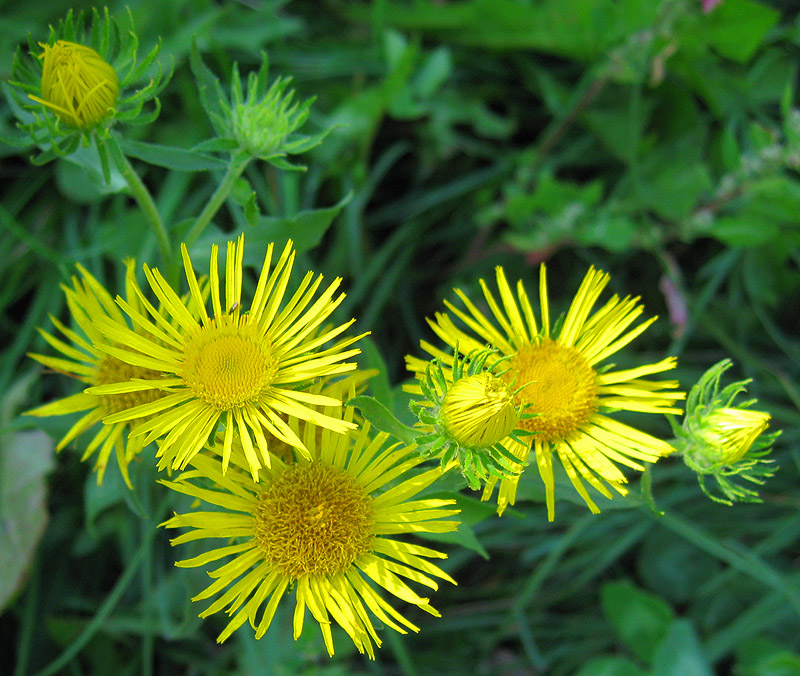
469 418
723 440
258 119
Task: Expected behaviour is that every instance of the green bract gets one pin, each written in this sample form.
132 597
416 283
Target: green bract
723 440
58 135
258 120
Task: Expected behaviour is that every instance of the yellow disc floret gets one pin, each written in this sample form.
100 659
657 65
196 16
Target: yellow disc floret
227 366
78 85
559 386
313 519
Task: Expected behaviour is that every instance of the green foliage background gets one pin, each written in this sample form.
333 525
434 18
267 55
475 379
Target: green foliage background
650 139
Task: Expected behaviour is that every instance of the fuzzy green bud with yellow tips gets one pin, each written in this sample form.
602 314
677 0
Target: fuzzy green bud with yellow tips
723 440
469 418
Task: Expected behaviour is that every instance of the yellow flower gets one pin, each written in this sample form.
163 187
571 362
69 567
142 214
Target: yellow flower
562 384
321 526
85 360
478 411
78 85
248 369
729 433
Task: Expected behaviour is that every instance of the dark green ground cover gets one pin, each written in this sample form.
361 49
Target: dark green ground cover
647 138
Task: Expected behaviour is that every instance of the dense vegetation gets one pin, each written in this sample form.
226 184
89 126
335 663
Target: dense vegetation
654 140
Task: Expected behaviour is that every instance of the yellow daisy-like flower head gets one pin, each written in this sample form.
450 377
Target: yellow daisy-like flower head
322 526
248 369
78 85
85 360
561 383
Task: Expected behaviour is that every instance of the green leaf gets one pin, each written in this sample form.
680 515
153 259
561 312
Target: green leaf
306 228
25 460
379 385
578 29
680 653
381 418
742 231
472 511
212 97
171 157
736 28
764 657
641 619
672 190
669 563
97 499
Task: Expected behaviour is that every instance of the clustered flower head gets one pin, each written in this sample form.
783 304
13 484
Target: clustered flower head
469 418
81 82
320 529
570 396
723 440
85 360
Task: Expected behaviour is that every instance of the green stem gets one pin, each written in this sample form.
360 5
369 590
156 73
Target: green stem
28 620
238 163
647 491
142 196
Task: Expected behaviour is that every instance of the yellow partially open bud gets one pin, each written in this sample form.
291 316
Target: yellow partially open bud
78 85
728 434
478 411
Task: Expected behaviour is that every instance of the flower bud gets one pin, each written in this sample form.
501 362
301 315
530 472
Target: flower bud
78 85
725 436
725 440
478 410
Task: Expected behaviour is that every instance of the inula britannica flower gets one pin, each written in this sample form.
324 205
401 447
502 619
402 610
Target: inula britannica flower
85 360
244 367
469 418
321 527
723 440
563 386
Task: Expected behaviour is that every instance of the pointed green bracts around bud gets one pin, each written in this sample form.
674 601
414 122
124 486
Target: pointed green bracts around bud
469 418
260 119
724 440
